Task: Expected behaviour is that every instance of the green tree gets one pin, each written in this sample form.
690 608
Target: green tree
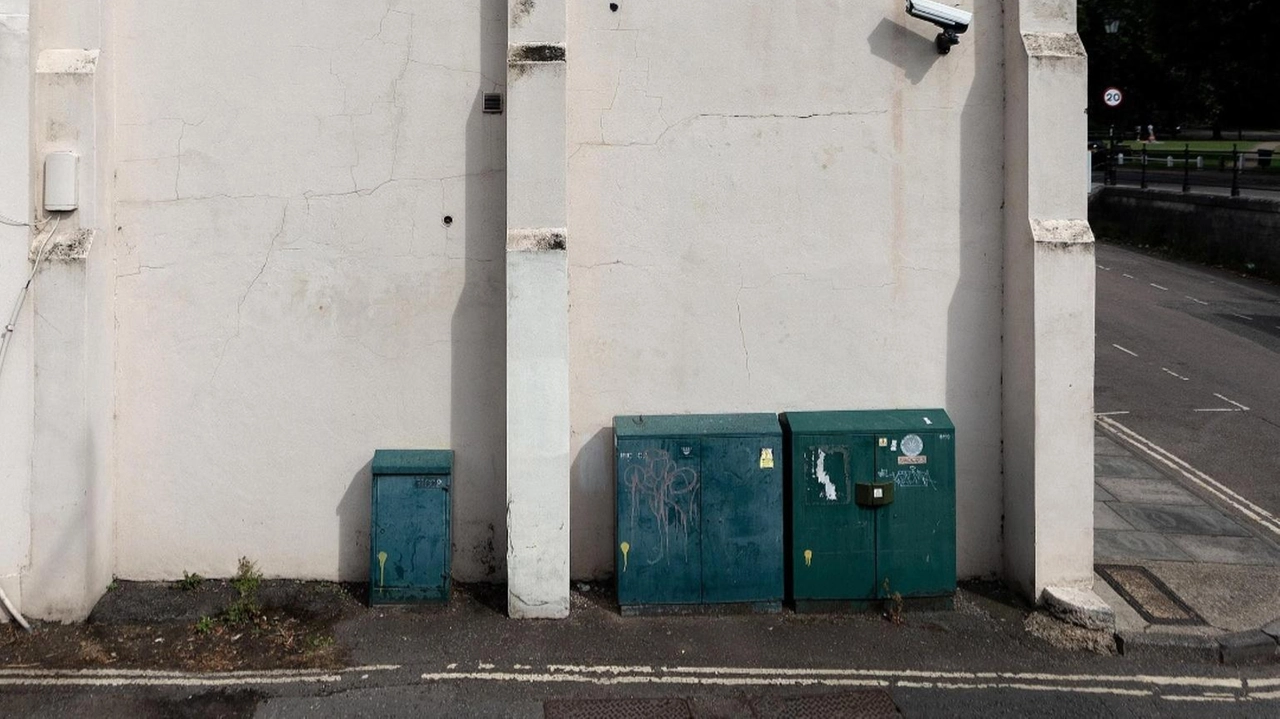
1185 61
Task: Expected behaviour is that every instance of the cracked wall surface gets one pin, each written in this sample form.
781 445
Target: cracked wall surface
290 296
802 213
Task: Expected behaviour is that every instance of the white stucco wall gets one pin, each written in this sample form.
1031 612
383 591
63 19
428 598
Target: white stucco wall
771 206
16 382
803 213
289 297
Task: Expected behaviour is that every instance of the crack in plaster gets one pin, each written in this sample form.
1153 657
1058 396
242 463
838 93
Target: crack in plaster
691 118
284 218
746 354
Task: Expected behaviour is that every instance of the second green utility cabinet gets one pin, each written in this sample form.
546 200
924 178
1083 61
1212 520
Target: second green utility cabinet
409 543
699 508
871 505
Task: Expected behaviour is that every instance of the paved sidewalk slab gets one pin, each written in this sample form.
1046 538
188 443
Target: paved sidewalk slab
1107 447
1148 491
1120 546
1214 563
1104 517
1168 519
1229 550
1123 467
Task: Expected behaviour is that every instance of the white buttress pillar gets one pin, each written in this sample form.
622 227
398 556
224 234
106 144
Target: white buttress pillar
72 520
537 315
1048 304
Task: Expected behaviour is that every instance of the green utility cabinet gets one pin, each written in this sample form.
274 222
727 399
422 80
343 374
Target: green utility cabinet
871 505
699 508
409 547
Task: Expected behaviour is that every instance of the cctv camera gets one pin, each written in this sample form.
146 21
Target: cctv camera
952 21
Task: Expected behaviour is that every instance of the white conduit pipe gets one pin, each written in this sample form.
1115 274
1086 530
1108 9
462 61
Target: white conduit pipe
4 351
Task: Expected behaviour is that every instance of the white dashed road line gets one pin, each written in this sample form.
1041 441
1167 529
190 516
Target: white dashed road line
1243 317
1131 277
1128 352
1199 302
1175 374
1158 287
1232 402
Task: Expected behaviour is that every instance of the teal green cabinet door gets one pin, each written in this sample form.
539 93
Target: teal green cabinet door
658 543
742 519
832 538
410 539
916 534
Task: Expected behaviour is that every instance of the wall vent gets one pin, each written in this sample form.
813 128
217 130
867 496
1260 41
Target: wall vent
493 103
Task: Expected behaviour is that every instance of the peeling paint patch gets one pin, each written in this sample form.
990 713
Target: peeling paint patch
1053 44
1062 234
542 239
521 9
67 62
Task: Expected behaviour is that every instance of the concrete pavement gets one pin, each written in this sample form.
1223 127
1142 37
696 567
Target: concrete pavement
1187 539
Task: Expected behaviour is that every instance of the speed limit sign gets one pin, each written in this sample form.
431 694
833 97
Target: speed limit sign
1113 97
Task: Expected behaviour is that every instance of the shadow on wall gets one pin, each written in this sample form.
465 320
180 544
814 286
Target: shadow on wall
353 525
592 464
478 331
972 386
974 369
904 47
472 217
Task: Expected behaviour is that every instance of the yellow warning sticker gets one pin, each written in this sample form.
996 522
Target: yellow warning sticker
766 458
884 442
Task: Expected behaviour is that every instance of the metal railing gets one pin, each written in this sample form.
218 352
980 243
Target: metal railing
1169 167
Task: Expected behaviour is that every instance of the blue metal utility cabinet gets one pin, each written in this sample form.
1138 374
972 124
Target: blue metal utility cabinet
699 511
409 547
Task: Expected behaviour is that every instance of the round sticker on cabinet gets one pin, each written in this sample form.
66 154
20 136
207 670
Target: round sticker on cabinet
912 445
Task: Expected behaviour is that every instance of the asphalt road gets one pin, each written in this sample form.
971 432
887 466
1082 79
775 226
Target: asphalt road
1189 359
466 659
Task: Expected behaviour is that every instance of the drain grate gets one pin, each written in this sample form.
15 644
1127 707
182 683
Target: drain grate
1144 591
616 709
870 704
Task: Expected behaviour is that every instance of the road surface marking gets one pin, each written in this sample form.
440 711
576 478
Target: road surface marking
1209 484
1158 287
1131 277
1265 695
1218 409
1243 317
1129 352
603 671
1110 414
1264 682
607 680
1230 401
1211 688
1028 687
1199 302
162 678
1175 374
174 674
193 681
1104 269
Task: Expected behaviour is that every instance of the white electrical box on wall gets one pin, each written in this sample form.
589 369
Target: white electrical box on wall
61 181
